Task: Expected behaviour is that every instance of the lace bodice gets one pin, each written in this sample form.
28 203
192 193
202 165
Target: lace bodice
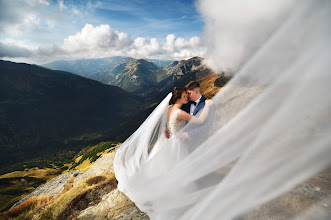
173 125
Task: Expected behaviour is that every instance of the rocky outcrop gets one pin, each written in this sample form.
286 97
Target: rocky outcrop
96 197
102 165
95 194
88 198
53 188
112 206
132 214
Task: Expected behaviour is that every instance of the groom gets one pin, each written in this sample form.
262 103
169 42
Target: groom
196 100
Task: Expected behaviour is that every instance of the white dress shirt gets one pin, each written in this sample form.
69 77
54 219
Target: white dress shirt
193 107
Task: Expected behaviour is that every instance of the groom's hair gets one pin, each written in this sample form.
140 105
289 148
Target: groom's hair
192 85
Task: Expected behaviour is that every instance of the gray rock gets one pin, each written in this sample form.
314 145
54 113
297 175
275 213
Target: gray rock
132 214
113 204
52 188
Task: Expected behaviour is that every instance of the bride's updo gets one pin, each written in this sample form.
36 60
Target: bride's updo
176 94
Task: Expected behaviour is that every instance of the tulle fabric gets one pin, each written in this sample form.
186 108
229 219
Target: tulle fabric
266 131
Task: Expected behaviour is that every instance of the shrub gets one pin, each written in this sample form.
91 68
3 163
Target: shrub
95 180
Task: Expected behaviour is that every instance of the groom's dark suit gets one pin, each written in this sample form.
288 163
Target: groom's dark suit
196 130
186 107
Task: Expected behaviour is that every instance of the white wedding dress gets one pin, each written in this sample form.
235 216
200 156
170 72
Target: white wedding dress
174 125
270 131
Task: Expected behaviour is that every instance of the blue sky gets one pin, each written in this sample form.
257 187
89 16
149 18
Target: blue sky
39 31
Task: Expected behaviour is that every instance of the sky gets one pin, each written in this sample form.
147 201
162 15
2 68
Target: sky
41 31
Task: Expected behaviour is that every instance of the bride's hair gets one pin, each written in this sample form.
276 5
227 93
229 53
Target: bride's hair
176 94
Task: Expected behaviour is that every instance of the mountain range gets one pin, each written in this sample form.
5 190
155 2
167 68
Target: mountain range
84 67
141 76
43 111
46 115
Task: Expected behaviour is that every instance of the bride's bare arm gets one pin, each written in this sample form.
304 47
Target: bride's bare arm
187 117
182 115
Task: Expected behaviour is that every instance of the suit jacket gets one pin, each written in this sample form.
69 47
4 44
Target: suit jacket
186 107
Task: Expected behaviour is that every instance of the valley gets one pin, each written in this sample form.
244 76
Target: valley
54 122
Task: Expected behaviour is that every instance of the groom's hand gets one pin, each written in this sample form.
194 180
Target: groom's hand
167 133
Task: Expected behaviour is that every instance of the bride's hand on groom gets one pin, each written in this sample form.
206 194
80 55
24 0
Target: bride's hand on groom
167 133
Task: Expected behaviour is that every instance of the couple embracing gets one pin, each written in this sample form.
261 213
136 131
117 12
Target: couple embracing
185 104
149 153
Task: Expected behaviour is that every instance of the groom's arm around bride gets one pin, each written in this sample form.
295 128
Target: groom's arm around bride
196 106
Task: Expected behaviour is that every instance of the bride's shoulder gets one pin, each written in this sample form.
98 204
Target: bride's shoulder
180 112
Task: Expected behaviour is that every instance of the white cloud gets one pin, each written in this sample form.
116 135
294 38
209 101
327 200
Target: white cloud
181 43
75 11
174 44
20 16
103 41
184 54
236 29
62 5
143 48
99 38
170 43
195 42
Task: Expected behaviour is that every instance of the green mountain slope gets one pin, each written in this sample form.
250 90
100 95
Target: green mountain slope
43 111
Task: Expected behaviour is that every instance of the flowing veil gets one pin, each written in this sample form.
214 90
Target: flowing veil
267 130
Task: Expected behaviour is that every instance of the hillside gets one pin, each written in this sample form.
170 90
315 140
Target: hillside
83 190
91 193
135 75
43 111
179 73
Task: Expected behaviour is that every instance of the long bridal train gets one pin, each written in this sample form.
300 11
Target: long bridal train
269 131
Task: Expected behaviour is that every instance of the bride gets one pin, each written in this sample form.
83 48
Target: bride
176 117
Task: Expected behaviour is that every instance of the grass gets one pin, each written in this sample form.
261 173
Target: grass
207 85
27 208
56 161
84 165
13 189
90 154
19 180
